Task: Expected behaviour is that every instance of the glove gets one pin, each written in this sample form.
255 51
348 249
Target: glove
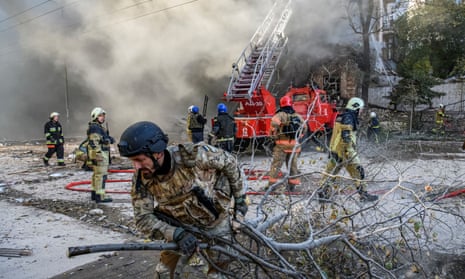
187 243
240 205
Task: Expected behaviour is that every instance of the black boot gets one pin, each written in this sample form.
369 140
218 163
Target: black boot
62 164
45 162
92 195
365 197
85 167
102 198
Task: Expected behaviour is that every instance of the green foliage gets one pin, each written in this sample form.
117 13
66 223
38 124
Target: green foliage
416 89
434 32
459 69
430 46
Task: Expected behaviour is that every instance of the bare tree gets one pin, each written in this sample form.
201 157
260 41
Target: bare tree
293 234
363 19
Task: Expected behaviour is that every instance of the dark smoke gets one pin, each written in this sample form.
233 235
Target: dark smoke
139 67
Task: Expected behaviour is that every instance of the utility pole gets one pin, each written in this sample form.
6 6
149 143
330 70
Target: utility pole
66 94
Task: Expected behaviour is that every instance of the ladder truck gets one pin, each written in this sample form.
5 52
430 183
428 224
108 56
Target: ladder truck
252 76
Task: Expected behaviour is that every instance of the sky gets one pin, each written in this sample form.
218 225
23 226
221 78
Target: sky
137 59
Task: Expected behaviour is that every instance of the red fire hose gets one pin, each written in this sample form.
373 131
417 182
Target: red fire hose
252 175
72 185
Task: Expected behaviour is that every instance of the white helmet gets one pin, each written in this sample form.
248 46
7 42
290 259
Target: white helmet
189 109
96 112
355 103
53 114
372 114
441 106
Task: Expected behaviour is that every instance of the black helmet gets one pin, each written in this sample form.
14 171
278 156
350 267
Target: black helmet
142 138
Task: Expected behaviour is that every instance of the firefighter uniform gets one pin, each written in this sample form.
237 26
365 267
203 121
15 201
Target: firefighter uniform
439 120
98 150
343 153
194 185
54 140
373 128
224 129
286 149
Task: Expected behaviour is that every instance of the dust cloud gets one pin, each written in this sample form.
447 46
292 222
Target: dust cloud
139 60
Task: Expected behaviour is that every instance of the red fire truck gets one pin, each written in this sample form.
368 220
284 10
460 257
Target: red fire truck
316 109
252 75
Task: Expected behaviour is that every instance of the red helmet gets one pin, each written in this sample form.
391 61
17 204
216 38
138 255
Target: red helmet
285 101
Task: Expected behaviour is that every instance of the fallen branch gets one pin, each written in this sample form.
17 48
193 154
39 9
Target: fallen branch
10 252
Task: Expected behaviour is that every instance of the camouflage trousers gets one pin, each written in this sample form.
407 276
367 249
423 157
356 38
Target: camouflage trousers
172 263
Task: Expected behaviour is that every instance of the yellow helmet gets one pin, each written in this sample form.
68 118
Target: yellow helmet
355 103
53 114
96 112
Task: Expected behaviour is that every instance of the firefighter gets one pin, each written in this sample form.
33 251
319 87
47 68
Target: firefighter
287 147
188 120
194 184
54 139
224 129
373 127
98 150
195 124
343 154
439 118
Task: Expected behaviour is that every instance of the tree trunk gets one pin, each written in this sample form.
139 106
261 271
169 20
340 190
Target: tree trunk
366 8
366 66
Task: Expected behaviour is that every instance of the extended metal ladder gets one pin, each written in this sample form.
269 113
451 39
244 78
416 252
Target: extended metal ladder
257 63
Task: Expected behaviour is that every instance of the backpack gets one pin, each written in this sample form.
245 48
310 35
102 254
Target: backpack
81 152
292 126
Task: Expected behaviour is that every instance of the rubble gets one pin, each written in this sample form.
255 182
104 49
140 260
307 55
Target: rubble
45 218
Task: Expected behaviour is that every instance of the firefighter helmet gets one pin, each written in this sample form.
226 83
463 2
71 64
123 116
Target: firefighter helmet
189 109
195 109
222 108
355 103
142 137
96 112
53 114
285 101
441 106
372 114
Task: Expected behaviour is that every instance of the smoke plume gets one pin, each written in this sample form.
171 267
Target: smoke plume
139 60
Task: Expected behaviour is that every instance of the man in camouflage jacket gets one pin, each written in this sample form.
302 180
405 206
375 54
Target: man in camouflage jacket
194 184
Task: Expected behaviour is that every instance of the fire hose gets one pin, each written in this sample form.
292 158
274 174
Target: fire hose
252 175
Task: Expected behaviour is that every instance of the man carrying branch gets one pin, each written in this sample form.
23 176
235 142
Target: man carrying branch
194 184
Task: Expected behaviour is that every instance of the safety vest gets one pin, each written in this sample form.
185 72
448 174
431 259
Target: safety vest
194 122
